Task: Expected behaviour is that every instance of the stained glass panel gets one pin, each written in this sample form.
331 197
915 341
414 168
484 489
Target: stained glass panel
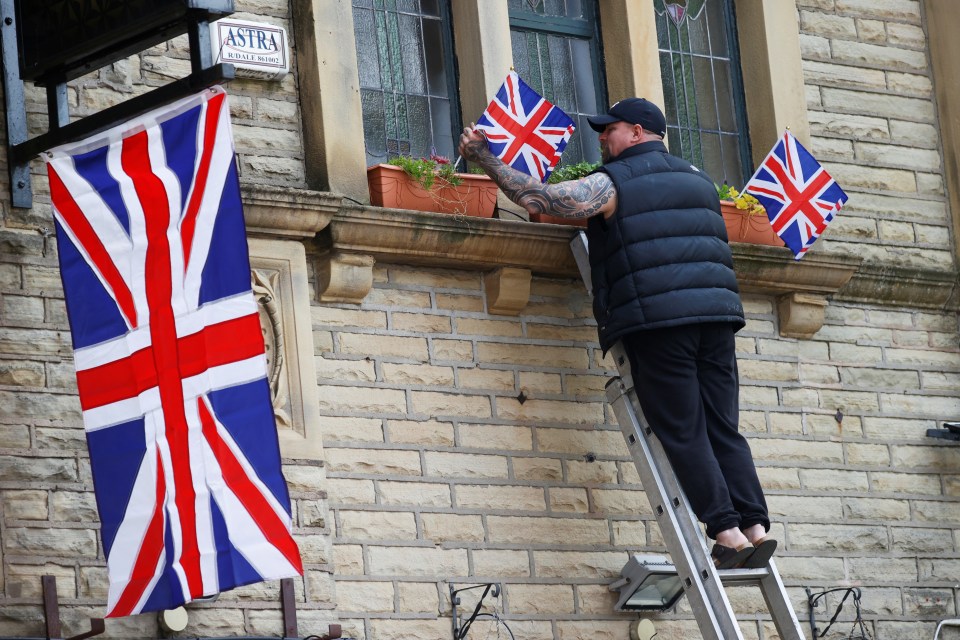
703 93
555 51
405 65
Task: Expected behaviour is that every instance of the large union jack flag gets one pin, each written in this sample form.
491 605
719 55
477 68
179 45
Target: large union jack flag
801 198
170 358
525 130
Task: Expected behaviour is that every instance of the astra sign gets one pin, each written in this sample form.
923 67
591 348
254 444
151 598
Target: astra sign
255 49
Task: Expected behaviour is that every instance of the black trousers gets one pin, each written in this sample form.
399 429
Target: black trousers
687 383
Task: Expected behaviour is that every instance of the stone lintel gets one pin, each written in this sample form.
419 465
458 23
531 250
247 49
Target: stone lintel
801 286
439 240
450 241
285 212
902 286
344 277
508 290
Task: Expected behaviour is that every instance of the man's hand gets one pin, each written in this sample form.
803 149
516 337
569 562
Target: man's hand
472 144
582 198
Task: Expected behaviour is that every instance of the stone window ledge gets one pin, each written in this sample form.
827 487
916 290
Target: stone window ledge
510 252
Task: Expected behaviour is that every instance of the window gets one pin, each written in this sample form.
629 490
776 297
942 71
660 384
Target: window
703 87
405 59
555 51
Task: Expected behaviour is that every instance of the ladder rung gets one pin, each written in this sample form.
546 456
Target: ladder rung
745 576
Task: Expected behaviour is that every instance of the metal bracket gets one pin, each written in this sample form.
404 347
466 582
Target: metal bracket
493 588
21 149
51 613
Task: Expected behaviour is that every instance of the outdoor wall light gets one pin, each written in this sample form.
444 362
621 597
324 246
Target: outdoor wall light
647 583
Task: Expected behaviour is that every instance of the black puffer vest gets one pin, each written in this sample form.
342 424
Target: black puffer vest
662 259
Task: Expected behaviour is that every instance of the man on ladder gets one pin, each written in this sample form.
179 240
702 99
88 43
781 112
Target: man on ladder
663 283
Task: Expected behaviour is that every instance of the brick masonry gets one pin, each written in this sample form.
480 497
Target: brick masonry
468 447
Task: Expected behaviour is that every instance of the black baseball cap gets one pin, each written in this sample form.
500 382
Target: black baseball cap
635 111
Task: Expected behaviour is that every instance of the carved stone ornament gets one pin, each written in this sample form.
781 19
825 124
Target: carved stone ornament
265 290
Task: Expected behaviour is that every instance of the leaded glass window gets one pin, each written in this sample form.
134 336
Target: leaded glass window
703 88
555 51
405 58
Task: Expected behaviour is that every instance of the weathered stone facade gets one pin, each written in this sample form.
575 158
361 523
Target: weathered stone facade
445 443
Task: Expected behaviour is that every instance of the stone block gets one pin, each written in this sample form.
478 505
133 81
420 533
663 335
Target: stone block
14 436
429 433
935 456
581 442
882 569
484 327
417 561
497 563
340 400
329 316
67 543
907 483
550 411
826 25
93 582
620 502
417 374
348 560
315 549
593 630
24 505
365 597
384 346
596 472
61 439
420 494
453 351
376 525
345 370
490 436
347 428
351 492
305 478
435 404
21 373
486 379
629 533
448 527
885 57
827 570
888 10
73 506
912 540
400 629
929 603
312 513
500 497
838 538
420 323
26 579
462 465
834 480
537 469
571 565
938 569
833 74
17 468
783 450
373 461
419 597
530 530
532 355
568 500
805 507
459 302
876 509
540 599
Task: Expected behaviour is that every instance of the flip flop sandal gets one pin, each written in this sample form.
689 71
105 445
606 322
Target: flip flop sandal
762 553
730 558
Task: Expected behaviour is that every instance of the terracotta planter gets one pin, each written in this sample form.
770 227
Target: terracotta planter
752 229
547 219
390 186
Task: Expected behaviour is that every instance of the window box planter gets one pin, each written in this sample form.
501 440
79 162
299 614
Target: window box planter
392 187
752 228
548 219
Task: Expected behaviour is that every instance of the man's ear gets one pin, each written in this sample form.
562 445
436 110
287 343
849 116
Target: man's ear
638 132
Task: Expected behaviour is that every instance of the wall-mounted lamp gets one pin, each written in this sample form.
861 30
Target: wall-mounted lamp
647 583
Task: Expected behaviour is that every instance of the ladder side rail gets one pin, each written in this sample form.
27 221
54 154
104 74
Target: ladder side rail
779 605
678 525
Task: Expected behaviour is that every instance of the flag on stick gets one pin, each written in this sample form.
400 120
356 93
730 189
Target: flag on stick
525 130
800 197
170 361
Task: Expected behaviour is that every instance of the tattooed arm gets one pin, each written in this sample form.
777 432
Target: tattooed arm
573 199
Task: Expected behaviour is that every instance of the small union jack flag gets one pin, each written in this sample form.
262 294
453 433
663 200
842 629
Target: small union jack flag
524 130
170 361
800 197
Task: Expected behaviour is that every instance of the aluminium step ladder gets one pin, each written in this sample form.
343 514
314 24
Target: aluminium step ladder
702 583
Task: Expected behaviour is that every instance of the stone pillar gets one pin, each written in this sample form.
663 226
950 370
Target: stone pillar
772 72
330 97
484 53
630 38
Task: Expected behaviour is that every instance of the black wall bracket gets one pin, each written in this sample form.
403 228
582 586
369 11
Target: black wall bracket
21 149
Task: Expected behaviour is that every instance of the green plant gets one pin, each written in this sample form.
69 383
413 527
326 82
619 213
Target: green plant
426 170
743 201
572 172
